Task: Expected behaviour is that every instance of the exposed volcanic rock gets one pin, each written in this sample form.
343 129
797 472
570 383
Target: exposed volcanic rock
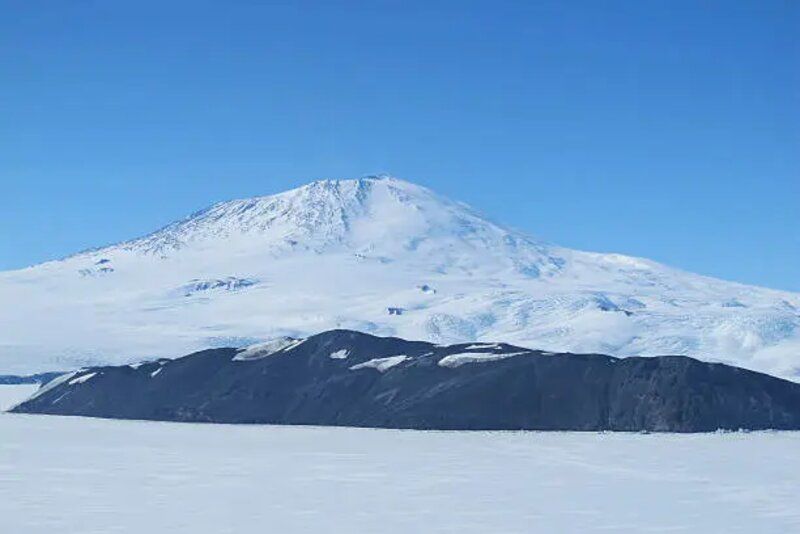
349 378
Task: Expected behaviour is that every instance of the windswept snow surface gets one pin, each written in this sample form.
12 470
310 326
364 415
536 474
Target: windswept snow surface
381 364
94 476
82 378
340 253
262 350
455 360
340 354
55 382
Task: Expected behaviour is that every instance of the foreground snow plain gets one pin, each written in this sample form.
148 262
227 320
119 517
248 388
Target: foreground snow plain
65 474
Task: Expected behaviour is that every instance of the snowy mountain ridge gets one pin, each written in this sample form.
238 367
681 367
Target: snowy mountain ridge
383 256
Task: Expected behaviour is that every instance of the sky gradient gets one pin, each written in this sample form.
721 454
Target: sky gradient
668 130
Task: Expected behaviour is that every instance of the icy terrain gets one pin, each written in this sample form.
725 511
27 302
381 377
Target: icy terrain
382 256
69 474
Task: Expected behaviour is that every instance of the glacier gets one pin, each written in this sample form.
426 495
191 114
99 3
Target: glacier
344 254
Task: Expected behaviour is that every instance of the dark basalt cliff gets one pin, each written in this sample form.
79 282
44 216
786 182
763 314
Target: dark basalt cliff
353 379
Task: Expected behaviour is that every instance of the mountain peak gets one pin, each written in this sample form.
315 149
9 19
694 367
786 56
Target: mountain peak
381 255
368 213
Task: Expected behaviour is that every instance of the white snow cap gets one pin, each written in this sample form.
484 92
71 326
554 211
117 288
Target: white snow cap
339 253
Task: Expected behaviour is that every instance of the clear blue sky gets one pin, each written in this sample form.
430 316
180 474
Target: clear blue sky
669 130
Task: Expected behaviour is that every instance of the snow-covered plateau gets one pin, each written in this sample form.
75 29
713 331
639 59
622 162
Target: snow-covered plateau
383 256
71 474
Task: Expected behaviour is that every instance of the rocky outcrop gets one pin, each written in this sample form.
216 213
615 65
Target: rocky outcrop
349 378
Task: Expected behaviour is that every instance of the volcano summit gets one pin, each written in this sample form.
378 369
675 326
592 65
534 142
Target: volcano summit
382 256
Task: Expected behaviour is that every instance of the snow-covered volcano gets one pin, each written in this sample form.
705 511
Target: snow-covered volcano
382 256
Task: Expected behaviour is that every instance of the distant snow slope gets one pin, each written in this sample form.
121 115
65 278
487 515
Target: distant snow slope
383 256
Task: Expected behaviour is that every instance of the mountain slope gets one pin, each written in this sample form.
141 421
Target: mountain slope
383 256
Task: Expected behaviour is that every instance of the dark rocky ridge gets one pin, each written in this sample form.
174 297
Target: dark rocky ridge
304 385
